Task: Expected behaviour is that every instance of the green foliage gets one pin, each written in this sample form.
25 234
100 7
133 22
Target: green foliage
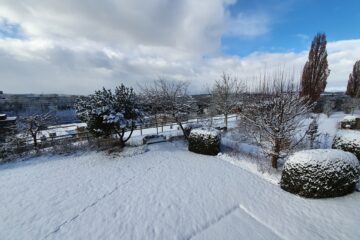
204 144
108 113
347 146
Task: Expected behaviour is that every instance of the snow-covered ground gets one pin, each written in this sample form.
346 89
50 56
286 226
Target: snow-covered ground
163 192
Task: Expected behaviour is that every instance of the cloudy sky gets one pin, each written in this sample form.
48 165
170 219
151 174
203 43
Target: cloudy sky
77 46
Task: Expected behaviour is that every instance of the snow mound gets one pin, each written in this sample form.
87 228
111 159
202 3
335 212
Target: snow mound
348 140
205 141
320 173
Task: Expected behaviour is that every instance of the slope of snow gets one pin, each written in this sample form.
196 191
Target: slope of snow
163 193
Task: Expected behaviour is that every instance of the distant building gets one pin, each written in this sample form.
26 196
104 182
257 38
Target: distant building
7 124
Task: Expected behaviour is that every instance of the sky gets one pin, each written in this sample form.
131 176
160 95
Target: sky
76 47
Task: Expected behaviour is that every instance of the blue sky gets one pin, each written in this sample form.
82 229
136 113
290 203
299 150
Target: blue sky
10 30
292 24
78 46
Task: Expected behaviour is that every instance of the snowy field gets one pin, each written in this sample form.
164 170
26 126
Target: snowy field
164 192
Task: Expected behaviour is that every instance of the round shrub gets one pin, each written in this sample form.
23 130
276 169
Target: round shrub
349 141
191 126
349 122
320 173
205 141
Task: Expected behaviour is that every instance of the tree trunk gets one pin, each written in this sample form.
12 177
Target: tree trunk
156 123
226 120
34 140
275 154
127 139
274 160
183 130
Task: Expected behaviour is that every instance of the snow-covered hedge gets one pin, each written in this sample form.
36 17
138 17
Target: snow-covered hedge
348 140
349 122
191 126
205 141
320 173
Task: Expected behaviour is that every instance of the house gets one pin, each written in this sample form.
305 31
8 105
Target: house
7 124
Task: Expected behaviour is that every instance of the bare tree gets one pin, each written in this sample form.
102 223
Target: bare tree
312 132
34 124
350 105
316 71
151 102
353 86
172 99
328 108
226 94
276 116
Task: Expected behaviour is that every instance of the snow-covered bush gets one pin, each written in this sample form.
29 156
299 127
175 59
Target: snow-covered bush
349 122
205 141
191 126
320 173
348 140
107 113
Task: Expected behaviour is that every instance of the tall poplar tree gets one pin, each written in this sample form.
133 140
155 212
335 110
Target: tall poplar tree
353 87
316 71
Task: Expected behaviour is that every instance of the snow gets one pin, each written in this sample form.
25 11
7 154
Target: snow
348 136
251 164
251 149
350 118
205 132
329 126
331 159
163 192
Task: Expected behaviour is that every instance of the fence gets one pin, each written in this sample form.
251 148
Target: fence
205 119
80 137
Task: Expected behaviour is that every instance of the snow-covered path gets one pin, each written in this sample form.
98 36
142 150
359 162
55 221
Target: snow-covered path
165 193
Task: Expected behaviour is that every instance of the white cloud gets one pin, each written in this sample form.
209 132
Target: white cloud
249 25
79 46
302 36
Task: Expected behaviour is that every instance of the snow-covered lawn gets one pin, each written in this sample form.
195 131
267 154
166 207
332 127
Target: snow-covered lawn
163 193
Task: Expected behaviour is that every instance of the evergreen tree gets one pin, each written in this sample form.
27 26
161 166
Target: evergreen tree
108 113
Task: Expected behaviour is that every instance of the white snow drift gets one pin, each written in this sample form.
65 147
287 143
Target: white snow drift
164 193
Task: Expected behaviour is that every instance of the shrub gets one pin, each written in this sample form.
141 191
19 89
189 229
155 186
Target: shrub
191 126
2 153
348 140
320 173
349 122
205 141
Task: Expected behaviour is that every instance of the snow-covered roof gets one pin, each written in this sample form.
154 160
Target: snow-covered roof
333 158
